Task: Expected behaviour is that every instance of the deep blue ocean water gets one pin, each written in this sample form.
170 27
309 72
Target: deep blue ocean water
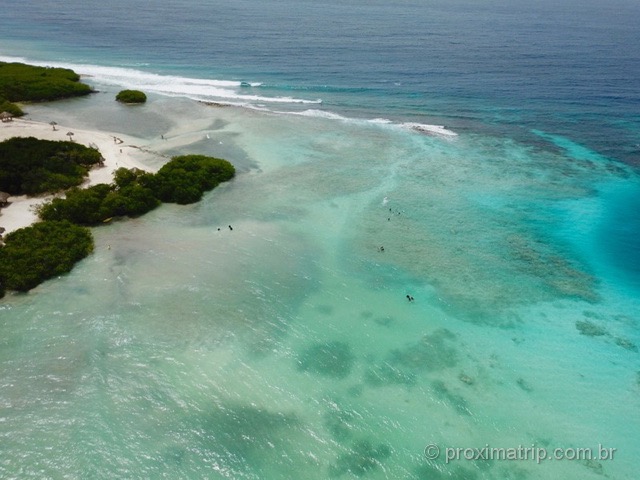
570 68
491 147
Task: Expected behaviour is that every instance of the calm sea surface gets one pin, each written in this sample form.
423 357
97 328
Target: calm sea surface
491 148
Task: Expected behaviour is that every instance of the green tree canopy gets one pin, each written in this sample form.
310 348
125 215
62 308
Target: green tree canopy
12 108
27 83
126 196
185 178
41 251
51 247
31 166
131 96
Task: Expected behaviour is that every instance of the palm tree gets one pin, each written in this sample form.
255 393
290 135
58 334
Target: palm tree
53 124
70 135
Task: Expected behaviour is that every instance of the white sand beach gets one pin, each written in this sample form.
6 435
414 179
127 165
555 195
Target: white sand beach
117 151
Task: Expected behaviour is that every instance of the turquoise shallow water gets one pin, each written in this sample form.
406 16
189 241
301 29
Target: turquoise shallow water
286 347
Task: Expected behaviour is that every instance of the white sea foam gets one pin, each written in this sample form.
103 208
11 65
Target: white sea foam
219 92
195 88
4 58
417 127
423 128
380 121
319 114
430 129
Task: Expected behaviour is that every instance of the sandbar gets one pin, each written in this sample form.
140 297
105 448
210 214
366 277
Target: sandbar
116 149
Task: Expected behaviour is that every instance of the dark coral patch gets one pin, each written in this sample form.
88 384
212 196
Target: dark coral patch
362 459
329 359
434 352
590 329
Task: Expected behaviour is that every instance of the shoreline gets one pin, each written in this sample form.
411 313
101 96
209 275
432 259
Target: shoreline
115 149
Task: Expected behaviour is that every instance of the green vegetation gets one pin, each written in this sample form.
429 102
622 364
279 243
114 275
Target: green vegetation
28 83
51 247
128 195
134 192
131 96
12 108
185 178
41 251
29 166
